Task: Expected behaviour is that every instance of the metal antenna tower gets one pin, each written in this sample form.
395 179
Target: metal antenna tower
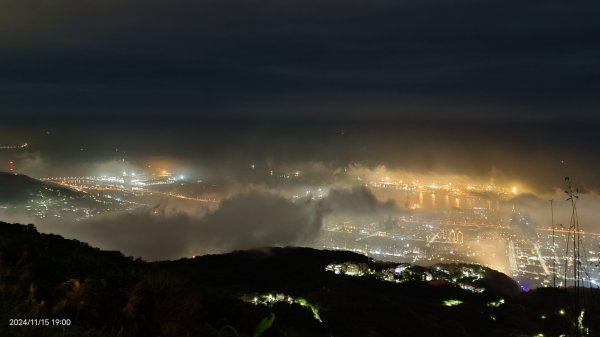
574 243
553 246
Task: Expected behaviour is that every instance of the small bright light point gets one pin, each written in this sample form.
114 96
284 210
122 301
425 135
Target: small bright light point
181 177
514 190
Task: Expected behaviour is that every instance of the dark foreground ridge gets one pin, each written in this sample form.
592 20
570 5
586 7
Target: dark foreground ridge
271 292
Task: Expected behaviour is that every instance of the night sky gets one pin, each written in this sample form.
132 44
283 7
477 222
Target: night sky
379 60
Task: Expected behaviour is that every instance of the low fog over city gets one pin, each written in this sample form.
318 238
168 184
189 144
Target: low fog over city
413 192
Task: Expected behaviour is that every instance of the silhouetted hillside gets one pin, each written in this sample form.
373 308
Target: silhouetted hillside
270 292
17 188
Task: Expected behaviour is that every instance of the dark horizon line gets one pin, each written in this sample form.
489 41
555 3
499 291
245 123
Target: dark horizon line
165 119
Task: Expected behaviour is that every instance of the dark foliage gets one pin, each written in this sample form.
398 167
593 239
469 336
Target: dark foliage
107 294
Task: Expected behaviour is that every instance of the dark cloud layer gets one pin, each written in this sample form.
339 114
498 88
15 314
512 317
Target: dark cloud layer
357 201
248 220
380 59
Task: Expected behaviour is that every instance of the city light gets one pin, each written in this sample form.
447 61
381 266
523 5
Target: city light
452 303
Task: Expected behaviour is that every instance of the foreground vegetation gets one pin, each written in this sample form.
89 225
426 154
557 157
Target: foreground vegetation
99 293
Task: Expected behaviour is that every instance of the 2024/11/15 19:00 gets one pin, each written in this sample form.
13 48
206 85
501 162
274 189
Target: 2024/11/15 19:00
39 321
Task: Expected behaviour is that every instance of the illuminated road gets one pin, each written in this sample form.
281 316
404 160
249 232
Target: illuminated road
541 258
181 196
566 231
432 239
13 147
84 184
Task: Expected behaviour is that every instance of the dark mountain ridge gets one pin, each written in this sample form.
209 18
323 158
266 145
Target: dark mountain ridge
18 188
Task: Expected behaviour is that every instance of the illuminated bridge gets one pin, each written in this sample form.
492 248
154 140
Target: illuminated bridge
106 180
123 184
453 236
13 147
